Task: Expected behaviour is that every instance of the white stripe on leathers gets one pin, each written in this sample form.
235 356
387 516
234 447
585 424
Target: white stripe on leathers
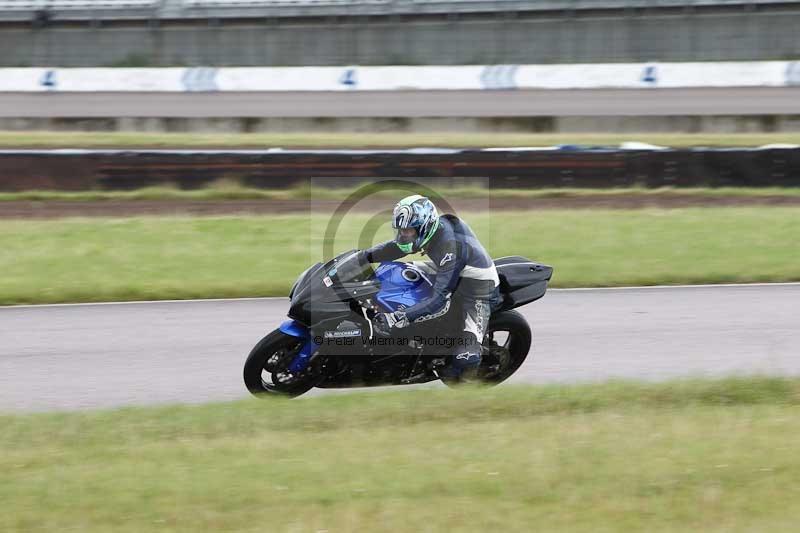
487 274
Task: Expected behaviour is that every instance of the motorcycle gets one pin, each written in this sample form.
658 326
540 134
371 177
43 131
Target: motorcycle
329 340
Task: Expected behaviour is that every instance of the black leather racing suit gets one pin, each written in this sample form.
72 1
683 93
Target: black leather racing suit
464 278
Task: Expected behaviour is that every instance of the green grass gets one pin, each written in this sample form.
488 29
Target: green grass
232 191
58 139
215 192
680 456
70 260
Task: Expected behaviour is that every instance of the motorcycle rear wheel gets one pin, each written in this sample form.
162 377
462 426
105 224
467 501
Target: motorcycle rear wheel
266 368
507 353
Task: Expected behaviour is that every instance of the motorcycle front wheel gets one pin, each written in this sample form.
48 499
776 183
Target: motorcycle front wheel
266 371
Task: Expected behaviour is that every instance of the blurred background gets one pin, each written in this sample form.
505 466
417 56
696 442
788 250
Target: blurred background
689 66
150 33
175 164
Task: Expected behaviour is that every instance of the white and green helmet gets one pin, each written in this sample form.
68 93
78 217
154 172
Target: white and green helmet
416 212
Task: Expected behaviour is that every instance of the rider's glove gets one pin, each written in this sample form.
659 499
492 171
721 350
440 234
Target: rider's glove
384 322
363 257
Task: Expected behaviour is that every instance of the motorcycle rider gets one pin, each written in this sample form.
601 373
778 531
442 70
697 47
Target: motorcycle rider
464 275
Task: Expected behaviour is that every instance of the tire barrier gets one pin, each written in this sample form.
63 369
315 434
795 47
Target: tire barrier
557 167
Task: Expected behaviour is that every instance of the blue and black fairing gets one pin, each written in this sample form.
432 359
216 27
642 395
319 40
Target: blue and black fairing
323 294
402 285
312 299
301 278
296 329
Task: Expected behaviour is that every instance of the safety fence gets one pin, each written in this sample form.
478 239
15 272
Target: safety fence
774 166
399 78
174 33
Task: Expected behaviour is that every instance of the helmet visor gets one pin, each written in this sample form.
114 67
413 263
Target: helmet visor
406 235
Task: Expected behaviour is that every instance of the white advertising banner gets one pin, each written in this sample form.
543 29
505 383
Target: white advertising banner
396 78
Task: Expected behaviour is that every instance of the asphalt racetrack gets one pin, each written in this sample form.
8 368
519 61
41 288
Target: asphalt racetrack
520 103
107 355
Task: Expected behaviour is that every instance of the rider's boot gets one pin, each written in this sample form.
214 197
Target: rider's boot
463 368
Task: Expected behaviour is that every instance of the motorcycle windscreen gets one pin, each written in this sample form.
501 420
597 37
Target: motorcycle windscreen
350 267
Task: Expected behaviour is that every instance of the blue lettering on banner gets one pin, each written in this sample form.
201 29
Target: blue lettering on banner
199 79
499 76
349 78
650 74
793 73
49 79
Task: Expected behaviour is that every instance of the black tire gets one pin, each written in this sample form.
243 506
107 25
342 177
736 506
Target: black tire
518 344
262 381
519 341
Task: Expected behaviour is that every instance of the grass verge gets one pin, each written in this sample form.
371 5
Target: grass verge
72 260
687 455
59 139
229 191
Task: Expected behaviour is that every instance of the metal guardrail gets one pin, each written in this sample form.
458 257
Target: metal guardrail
43 12
224 4
86 5
16 10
